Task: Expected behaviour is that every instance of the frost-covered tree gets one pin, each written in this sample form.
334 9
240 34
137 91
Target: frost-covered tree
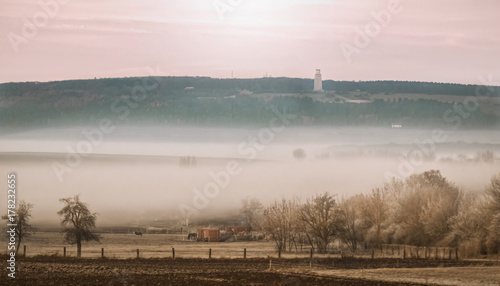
78 222
23 227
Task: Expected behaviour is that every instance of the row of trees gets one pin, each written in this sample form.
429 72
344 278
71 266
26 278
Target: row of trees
241 110
113 86
76 219
423 210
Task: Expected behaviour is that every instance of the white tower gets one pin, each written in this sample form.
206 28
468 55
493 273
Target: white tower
318 82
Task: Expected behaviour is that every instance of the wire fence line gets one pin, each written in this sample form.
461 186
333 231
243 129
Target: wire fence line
223 250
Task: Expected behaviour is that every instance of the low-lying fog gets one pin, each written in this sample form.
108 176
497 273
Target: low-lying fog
151 184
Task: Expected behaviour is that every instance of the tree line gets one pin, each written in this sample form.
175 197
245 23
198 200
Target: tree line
118 86
422 210
158 109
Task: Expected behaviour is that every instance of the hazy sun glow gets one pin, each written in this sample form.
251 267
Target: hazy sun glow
451 42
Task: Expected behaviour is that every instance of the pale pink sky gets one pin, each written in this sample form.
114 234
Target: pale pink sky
442 41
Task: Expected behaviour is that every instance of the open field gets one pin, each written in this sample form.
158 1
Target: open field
119 245
46 270
44 265
125 245
470 276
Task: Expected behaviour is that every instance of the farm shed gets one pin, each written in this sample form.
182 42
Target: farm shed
208 234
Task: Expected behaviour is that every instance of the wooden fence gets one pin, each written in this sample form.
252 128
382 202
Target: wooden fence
384 251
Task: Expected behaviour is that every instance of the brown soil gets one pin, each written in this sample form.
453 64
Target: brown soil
47 270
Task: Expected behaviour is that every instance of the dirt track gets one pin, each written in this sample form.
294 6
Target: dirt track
470 276
70 271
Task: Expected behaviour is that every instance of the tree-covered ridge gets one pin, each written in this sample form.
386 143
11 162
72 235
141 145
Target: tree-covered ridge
209 101
257 85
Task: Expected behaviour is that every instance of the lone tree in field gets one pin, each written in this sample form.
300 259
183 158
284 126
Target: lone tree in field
78 222
23 227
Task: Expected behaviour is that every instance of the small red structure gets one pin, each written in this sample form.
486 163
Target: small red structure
208 234
236 229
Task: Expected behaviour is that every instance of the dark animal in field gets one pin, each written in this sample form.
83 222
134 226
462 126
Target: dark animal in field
191 236
138 233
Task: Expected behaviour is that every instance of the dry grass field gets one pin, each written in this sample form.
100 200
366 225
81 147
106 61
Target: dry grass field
119 245
470 276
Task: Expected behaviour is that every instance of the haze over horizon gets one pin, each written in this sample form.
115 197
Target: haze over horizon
453 42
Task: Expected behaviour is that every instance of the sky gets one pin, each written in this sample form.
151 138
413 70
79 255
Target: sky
453 41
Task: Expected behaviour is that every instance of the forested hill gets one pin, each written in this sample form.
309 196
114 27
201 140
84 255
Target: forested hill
210 101
295 85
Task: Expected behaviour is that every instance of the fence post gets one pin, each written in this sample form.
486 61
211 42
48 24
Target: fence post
24 253
449 254
456 253
279 253
311 254
417 253
399 250
404 252
373 253
64 251
137 252
209 253
270 264
173 253
436 253
244 253
102 252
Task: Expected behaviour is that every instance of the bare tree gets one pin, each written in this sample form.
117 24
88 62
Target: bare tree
424 205
469 226
436 214
322 218
299 154
375 212
78 222
352 230
281 222
493 203
23 228
250 211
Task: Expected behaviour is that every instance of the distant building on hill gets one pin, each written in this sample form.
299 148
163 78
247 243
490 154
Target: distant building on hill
318 81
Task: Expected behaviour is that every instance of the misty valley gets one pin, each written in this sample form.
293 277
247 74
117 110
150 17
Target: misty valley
262 142
270 169
142 166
